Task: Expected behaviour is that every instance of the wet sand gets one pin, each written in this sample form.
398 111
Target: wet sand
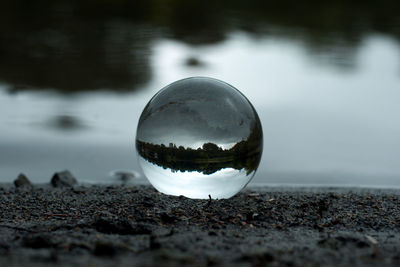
136 225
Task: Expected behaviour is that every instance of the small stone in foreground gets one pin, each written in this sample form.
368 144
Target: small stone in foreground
123 176
63 179
22 181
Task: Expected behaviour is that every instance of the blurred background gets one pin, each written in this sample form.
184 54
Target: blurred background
324 77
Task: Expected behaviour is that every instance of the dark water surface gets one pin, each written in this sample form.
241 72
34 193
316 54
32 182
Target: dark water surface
324 78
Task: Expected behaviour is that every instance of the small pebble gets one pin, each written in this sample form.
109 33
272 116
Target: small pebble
22 181
63 179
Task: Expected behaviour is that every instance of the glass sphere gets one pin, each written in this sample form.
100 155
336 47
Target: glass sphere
199 137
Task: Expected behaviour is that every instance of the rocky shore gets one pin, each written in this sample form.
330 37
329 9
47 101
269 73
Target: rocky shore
63 224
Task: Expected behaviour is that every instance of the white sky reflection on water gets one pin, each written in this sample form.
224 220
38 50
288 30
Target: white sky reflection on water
322 124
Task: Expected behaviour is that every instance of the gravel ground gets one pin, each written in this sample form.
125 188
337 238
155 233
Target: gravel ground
136 225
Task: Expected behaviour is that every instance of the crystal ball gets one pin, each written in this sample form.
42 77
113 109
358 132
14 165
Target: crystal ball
199 137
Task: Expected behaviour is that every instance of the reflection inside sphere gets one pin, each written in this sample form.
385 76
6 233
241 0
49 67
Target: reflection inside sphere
199 137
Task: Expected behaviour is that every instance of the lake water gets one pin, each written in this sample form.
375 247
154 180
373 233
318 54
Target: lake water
73 85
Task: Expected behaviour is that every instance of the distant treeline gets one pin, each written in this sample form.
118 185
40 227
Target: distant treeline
207 159
80 45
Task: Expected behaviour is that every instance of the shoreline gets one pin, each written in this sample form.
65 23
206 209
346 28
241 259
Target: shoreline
125 225
261 187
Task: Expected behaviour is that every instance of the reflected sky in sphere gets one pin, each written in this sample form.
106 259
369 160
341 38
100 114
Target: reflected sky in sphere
224 183
195 111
